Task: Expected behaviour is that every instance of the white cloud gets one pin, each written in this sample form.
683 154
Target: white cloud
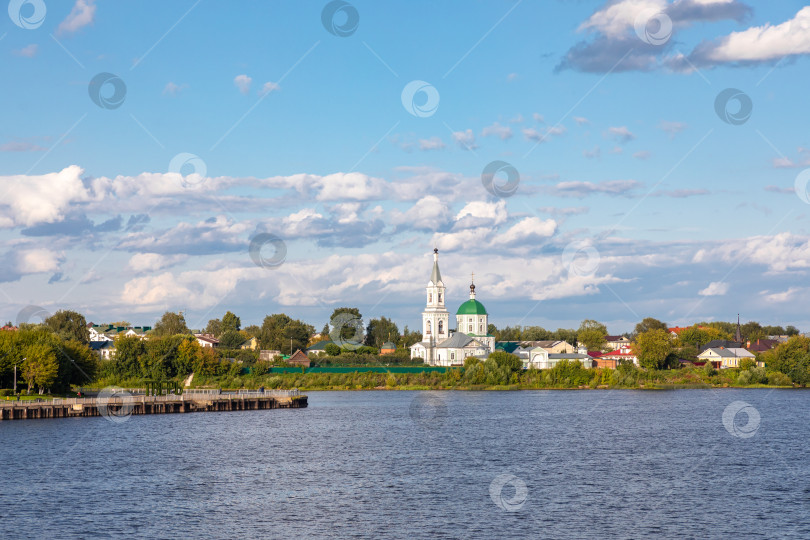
532 134
530 229
36 199
539 118
620 133
152 262
80 16
614 19
29 51
760 43
497 130
581 121
428 213
481 213
267 88
465 139
434 143
242 82
673 128
715 288
173 89
783 296
32 261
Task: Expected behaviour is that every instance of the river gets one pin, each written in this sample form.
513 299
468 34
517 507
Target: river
531 464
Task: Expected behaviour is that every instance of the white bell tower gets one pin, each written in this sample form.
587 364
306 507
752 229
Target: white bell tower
435 317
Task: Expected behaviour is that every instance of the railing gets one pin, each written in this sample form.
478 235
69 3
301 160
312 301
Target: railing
125 396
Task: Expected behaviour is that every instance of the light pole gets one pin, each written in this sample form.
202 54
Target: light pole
15 375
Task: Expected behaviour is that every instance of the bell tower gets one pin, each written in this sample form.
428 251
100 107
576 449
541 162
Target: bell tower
435 317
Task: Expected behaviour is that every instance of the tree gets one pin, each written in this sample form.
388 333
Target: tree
77 365
280 332
350 322
535 333
409 338
650 323
791 330
592 334
791 358
652 348
214 327
171 324
127 360
566 334
69 325
752 331
252 331
231 339
40 367
332 349
381 330
231 322
125 324
188 354
512 362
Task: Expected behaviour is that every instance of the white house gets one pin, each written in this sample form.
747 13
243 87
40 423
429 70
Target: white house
728 358
542 359
615 343
104 348
207 340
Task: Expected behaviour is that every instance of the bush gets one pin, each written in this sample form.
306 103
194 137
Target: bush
747 364
744 378
332 349
779 379
6 392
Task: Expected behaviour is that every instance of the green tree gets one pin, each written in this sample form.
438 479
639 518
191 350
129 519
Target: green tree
535 333
127 359
650 323
332 349
231 339
381 330
791 330
409 338
69 325
280 332
351 324
170 324
752 331
592 334
231 323
77 365
508 361
188 354
214 327
652 348
40 366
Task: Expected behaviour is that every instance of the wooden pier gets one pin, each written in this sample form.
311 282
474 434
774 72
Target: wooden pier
120 405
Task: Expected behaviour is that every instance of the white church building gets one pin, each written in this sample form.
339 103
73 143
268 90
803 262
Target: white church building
440 347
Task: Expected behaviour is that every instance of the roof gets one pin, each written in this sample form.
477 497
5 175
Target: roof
471 307
506 346
435 275
207 337
320 346
98 345
728 353
763 345
388 345
567 356
616 338
595 354
720 343
543 343
618 354
459 340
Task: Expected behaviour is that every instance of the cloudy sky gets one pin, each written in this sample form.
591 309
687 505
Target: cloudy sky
643 159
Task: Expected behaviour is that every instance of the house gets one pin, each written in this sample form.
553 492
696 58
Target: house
268 355
250 343
319 346
299 358
207 341
616 342
614 358
551 346
9 328
388 348
727 358
104 348
541 359
761 345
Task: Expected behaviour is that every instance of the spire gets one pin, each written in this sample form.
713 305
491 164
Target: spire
738 334
472 286
435 276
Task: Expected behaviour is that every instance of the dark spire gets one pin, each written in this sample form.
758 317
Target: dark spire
738 334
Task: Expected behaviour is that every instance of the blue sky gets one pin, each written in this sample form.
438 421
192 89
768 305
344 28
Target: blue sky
635 198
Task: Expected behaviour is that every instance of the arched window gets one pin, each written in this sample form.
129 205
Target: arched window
440 298
428 327
430 298
441 327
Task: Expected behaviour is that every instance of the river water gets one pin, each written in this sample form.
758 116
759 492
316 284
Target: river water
531 464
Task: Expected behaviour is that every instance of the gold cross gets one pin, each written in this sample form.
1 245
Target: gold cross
473 277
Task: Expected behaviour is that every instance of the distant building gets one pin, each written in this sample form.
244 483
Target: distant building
207 341
551 346
727 358
761 345
541 359
616 342
104 348
388 348
268 355
623 354
250 343
299 358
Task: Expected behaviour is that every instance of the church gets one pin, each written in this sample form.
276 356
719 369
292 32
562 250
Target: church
442 347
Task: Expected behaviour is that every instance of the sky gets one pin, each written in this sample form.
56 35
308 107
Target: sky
586 160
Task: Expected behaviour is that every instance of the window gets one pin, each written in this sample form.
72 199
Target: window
430 298
452 356
480 328
441 327
440 298
469 328
428 327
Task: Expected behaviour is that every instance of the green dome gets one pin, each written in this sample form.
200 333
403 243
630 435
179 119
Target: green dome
471 307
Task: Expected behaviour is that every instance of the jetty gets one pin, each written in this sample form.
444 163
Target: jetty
120 404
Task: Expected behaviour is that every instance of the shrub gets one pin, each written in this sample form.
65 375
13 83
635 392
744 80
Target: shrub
779 379
744 378
332 349
747 364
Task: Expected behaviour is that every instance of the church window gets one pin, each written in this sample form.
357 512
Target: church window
430 298
441 327
440 298
480 328
428 327
469 328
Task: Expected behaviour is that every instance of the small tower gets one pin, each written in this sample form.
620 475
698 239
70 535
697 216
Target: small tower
738 334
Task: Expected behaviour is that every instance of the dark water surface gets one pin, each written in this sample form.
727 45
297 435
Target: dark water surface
550 464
